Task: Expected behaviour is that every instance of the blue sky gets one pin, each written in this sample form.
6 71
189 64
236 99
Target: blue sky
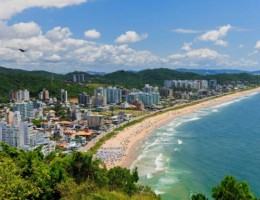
109 35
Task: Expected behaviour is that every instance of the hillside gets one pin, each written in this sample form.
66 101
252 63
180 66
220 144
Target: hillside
157 77
30 175
34 81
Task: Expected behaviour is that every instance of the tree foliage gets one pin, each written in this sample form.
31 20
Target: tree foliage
229 189
30 175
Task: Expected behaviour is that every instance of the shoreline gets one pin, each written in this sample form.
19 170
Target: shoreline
121 150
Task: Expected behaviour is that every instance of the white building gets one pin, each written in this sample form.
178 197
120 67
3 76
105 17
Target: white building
63 96
21 95
25 108
114 95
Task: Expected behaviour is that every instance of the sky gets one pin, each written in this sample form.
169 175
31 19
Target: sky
109 35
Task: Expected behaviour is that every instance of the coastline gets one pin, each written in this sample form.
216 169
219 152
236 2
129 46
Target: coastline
121 149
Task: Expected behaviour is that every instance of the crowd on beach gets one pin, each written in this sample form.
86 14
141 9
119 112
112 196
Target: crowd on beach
111 154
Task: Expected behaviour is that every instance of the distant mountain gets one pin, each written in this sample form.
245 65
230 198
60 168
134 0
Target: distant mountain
96 73
212 72
157 77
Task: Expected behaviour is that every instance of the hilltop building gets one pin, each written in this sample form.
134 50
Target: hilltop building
78 78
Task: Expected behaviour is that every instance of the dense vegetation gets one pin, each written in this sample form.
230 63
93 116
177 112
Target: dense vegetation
29 175
34 81
229 189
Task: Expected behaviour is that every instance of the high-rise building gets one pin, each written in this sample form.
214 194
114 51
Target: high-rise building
21 95
166 92
98 100
204 84
44 95
26 109
78 78
17 118
148 89
95 121
213 84
101 91
145 98
9 117
26 134
63 96
17 135
114 95
9 134
187 84
84 99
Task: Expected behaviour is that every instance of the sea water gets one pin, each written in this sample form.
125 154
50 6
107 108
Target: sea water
193 153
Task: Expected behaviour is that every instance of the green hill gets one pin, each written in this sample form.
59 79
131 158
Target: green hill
34 81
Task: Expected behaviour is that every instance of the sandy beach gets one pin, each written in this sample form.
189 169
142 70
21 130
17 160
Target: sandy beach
121 149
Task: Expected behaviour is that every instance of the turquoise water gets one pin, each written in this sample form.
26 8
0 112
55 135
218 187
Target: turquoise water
193 153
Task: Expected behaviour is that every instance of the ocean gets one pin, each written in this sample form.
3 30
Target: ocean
193 153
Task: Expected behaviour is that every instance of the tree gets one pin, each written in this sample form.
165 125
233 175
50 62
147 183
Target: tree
198 196
231 189
122 178
13 185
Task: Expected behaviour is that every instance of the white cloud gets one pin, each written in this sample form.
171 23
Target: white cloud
20 30
257 49
9 8
185 31
257 45
131 37
199 58
186 46
200 54
58 34
241 46
93 33
57 49
216 35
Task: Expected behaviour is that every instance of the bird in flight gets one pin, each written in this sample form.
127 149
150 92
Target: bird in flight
22 50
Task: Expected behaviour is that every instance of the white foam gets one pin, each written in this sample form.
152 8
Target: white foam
176 149
180 142
157 192
143 155
167 134
159 163
149 176
170 129
169 180
157 141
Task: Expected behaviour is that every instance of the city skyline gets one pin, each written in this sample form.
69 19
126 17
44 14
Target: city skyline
102 35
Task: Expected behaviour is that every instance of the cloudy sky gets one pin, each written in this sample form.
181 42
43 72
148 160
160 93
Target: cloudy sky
110 35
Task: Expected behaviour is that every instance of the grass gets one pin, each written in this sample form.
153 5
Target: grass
95 85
